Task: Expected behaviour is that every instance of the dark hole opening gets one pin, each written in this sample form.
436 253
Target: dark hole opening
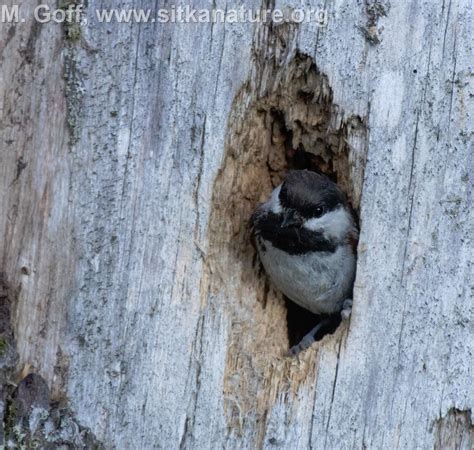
300 322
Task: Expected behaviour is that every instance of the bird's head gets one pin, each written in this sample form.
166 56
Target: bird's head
311 200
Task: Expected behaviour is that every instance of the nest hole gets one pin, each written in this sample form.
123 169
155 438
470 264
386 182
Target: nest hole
282 119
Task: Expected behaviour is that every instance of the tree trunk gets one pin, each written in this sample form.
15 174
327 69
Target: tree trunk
132 157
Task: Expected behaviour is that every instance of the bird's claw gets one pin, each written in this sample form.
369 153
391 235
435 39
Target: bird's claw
306 342
346 309
303 345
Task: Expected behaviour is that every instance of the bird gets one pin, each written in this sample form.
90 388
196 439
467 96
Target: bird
306 238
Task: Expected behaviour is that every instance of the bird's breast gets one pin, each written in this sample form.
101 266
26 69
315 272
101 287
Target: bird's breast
319 281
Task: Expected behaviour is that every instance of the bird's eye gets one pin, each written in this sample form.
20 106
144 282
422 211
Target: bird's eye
318 211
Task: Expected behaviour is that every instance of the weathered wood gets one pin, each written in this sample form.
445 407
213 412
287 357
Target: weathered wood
132 156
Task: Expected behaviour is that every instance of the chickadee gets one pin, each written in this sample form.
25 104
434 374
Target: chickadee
306 238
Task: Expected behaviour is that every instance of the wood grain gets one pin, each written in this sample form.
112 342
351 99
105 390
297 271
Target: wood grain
122 152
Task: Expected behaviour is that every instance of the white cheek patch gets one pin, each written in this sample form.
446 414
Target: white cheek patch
274 202
335 223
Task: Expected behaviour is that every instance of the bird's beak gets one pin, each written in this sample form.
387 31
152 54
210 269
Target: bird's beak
289 219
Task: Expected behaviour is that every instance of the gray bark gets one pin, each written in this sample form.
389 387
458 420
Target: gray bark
132 156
